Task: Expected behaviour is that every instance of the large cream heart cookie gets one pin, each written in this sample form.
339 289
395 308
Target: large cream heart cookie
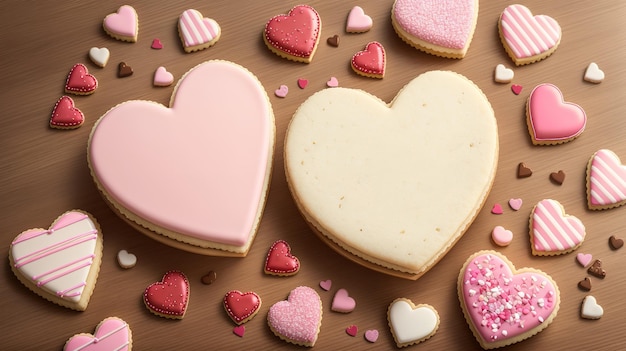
393 186
194 175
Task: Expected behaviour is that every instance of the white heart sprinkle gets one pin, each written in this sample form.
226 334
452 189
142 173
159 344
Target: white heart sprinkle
594 74
99 56
503 74
126 259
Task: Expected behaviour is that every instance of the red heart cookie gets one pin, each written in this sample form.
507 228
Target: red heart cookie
280 261
295 35
65 115
241 307
79 81
371 61
169 297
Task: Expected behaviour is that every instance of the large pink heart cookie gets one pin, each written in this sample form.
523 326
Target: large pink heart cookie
527 38
194 175
295 35
111 334
61 263
504 305
379 191
439 27
552 232
552 120
297 320
606 181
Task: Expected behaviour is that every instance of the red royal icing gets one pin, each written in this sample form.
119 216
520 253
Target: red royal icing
65 115
169 296
241 306
79 81
295 33
280 260
371 60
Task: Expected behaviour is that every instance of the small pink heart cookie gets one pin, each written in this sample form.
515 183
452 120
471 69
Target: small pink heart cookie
162 78
297 320
606 181
343 302
439 27
122 25
501 236
551 120
527 38
504 305
358 21
552 232
370 62
197 32
411 324
294 35
111 334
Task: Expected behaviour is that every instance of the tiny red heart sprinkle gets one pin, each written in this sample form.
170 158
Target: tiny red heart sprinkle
239 330
156 44
302 83
352 330
496 209
516 89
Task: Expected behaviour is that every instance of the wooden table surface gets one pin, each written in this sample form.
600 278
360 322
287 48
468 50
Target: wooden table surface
43 172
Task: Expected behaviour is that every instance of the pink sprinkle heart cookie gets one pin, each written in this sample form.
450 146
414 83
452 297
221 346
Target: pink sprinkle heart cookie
197 32
162 78
411 324
552 232
65 115
370 62
551 120
280 261
295 35
122 25
504 305
111 334
343 302
217 210
297 320
241 307
358 21
439 27
606 181
527 38
61 263
501 236
169 297
79 81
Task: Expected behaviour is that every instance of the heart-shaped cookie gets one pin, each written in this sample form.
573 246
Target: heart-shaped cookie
65 115
358 21
206 200
241 307
297 320
552 120
371 61
111 334
79 81
343 302
197 32
162 78
99 56
411 324
280 261
61 263
122 25
593 73
169 297
527 38
590 309
295 35
606 181
371 181
504 305
439 27
552 232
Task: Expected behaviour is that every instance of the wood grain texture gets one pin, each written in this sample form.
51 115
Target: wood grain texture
43 172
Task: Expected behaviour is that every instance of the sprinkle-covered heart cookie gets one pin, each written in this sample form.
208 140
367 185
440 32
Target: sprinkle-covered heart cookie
122 25
439 27
295 35
169 297
79 81
504 305
111 334
297 320
551 120
552 232
280 261
60 264
606 181
411 324
241 307
370 62
527 38
197 32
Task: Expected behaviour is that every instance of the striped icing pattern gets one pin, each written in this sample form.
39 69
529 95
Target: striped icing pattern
607 179
527 35
553 230
196 30
112 334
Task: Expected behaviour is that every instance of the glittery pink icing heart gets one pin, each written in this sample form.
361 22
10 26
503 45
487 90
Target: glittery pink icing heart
501 303
111 334
298 319
552 119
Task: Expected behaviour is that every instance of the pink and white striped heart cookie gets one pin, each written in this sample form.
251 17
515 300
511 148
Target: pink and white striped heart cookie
527 38
197 33
552 232
111 334
606 181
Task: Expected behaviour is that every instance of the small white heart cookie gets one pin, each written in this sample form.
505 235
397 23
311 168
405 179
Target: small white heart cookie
594 74
590 308
99 56
126 259
503 74
411 324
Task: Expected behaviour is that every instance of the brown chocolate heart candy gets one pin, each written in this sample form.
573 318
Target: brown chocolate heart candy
523 171
557 177
615 243
585 284
124 70
596 269
209 278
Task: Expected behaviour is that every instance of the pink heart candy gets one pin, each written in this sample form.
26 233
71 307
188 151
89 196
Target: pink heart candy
156 44
584 259
239 330
302 83
332 82
515 204
342 302
358 21
326 284
496 209
371 335
552 119
282 91
516 89
162 78
298 319
501 236
352 330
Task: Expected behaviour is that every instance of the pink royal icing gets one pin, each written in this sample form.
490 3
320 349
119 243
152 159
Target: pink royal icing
65 114
358 21
551 118
552 230
296 33
197 168
123 23
502 304
527 35
79 81
111 334
169 296
299 318
445 23
196 30
371 60
606 185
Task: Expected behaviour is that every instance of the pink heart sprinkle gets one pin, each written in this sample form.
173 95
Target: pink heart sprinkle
156 44
584 259
302 83
515 204
501 236
371 335
239 330
496 209
332 82
326 284
516 89
352 330
282 91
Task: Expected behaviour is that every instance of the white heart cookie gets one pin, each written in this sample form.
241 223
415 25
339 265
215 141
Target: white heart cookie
393 186
99 56
126 259
593 73
590 308
411 324
503 74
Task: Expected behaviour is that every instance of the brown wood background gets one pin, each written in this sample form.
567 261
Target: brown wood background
43 172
